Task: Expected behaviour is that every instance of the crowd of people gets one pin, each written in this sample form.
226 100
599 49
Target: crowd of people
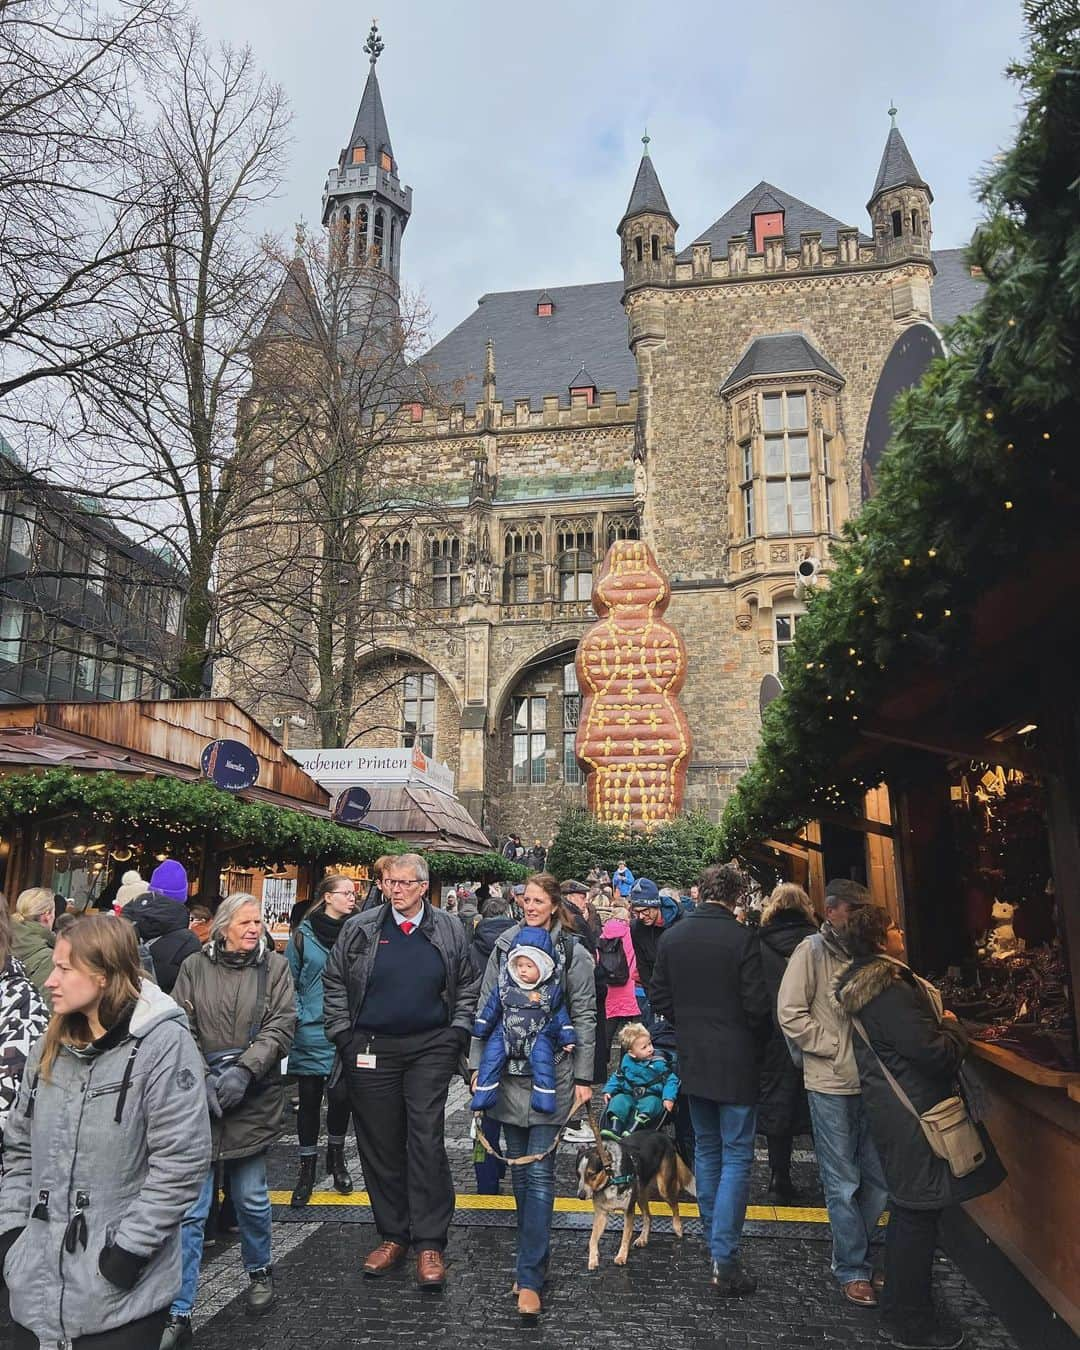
142 1081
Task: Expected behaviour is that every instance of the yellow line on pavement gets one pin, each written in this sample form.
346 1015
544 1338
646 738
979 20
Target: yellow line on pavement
563 1205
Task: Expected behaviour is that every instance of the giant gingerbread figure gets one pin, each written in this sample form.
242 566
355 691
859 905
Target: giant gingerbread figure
633 738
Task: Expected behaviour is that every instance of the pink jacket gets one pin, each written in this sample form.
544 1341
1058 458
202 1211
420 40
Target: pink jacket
621 1001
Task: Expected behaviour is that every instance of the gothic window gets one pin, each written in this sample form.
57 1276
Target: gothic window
787 464
359 154
386 163
445 572
418 711
530 741
655 249
523 549
393 240
786 616
916 226
828 482
361 235
897 224
746 489
377 239
622 527
571 711
394 585
575 562
639 251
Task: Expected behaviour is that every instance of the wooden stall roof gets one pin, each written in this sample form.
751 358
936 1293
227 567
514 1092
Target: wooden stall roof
159 735
426 817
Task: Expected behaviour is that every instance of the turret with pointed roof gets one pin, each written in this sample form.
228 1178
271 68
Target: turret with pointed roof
364 204
899 205
647 228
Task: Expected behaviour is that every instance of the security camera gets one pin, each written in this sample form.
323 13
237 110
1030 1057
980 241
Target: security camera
806 573
295 720
278 723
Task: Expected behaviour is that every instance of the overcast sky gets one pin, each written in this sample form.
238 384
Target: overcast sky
518 125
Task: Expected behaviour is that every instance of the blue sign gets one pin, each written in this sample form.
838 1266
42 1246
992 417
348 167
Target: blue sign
352 806
231 765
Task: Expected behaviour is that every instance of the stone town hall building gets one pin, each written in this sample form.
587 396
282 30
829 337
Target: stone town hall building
712 399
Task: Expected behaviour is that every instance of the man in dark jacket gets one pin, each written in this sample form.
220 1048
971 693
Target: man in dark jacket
708 982
652 915
399 994
161 919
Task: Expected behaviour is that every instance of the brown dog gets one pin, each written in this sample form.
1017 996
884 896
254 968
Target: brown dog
624 1174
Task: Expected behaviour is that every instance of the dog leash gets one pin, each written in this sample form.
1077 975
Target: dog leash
493 1152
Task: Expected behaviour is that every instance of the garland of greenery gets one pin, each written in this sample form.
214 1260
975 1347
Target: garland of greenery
982 471
168 813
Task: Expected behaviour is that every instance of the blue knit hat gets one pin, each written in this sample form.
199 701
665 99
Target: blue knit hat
644 894
169 878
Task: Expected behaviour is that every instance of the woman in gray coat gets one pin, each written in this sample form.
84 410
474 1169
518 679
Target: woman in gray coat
528 1131
238 995
92 1199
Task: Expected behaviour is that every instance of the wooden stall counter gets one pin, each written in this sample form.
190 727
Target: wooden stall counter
1033 1114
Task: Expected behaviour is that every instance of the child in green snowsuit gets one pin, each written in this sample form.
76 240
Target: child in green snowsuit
643 1087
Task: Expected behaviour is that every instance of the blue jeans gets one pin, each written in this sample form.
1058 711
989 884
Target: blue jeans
534 1194
723 1157
851 1176
246 1182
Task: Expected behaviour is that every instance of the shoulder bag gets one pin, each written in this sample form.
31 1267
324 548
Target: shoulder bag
948 1128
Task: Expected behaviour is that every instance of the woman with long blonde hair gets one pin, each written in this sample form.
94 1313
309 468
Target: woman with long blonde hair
91 1201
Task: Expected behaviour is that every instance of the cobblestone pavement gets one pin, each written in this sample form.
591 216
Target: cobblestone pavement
660 1301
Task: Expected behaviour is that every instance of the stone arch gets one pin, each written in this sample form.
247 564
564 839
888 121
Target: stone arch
540 657
399 649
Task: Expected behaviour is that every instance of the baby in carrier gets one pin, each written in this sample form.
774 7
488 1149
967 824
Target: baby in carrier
525 1021
642 1088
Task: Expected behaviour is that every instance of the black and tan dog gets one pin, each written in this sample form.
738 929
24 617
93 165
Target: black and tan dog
619 1175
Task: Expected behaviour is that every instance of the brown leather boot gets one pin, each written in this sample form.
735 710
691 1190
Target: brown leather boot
529 1303
384 1258
430 1270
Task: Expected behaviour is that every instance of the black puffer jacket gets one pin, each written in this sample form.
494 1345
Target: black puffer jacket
924 1056
163 923
782 1107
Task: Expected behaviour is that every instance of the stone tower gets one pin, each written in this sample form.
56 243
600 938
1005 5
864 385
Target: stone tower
365 206
899 205
647 229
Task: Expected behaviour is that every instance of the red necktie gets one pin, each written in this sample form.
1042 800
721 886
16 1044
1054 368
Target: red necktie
407 927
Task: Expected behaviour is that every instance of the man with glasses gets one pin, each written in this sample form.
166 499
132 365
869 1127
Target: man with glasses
399 996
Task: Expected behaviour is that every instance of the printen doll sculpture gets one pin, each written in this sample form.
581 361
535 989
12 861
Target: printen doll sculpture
633 738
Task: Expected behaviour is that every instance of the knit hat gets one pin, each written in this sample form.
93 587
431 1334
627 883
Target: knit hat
169 878
131 887
535 943
644 894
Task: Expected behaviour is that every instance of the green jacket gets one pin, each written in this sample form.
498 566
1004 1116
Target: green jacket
32 946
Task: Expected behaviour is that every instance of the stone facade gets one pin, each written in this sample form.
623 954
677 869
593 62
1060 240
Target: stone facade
726 430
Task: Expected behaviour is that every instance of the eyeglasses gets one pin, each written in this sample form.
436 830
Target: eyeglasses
391 882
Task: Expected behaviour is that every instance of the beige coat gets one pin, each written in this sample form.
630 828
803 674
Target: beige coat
810 1017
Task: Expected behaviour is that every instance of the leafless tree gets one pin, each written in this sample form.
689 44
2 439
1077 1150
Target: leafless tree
154 436
73 218
328 560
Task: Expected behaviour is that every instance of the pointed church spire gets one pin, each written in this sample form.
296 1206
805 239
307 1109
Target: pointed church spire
897 168
370 129
647 195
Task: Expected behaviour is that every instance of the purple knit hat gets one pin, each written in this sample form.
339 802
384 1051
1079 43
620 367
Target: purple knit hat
169 878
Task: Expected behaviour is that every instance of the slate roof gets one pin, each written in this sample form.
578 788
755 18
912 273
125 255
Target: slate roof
780 354
897 168
798 216
955 291
370 125
535 356
646 194
294 310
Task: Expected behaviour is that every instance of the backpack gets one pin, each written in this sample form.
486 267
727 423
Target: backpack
611 956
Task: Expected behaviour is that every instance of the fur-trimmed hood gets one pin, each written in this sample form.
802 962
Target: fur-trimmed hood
865 979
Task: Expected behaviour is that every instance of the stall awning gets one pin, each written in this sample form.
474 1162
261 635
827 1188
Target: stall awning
425 817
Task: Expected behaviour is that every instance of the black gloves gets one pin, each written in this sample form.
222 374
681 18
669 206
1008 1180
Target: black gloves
120 1267
231 1086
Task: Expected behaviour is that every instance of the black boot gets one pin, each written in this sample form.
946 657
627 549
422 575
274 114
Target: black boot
781 1185
305 1182
335 1165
